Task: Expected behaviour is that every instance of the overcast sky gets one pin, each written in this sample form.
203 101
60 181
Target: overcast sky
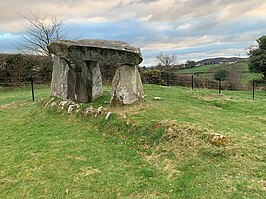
189 29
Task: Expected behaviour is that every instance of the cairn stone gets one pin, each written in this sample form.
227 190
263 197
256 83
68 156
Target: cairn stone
99 111
89 111
108 115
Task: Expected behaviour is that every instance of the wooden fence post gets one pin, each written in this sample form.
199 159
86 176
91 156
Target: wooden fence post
32 88
220 87
192 82
253 89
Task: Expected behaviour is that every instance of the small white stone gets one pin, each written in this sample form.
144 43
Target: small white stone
71 108
158 98
108 115
99 111
53 104
89 110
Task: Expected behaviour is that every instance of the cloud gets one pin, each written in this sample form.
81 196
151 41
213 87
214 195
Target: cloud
189 28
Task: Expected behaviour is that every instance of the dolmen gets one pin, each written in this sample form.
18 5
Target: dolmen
76 73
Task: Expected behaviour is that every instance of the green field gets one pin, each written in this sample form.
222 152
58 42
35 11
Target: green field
243 67
201 69
207 71
153 149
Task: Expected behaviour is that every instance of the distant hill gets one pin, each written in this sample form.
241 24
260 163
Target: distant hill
220 60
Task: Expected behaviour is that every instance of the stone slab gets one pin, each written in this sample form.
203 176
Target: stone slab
127 87
97 50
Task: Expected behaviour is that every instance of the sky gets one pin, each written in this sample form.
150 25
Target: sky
189 29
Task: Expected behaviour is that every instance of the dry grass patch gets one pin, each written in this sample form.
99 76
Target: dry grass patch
183 141
211 97
14 105
88 171
133 109
263 119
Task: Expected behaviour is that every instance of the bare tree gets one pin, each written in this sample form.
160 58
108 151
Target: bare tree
166 60
39 31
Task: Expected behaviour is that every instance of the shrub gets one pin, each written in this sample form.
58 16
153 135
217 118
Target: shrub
221 75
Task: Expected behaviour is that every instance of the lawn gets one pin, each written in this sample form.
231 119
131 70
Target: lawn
153 149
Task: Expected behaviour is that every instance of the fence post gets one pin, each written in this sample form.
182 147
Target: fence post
253 89
192 82
219 86
167 79
32 88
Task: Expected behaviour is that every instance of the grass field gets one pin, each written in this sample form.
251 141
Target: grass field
209 71
153 149
243 67
205 68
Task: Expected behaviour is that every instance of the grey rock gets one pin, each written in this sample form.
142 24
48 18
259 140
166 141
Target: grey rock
99 111
108 115
89 111
97 87
53 104
157 98
64 104
97 50
79 82
71 108
126 86
76 72
59 86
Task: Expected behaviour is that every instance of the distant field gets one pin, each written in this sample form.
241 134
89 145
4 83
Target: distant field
243 66
153 149
205 68
209 70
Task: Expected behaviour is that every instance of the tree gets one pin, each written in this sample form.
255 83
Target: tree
190 64
258 57
166 60
38 32
221 75
234 77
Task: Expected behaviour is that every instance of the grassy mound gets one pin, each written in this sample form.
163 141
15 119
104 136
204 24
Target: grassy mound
186 145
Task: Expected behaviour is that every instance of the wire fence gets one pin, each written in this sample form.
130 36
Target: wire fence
16 78
190 81
30 81
193 81
20 82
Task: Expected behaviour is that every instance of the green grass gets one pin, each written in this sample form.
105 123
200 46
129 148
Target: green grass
204 68
209 70
153 149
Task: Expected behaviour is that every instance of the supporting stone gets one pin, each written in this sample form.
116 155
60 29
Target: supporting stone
97 87
80 82
59 85
126 86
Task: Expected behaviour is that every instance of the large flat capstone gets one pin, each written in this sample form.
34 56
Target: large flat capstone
97 50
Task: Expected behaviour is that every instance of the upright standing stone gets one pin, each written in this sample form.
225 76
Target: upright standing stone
81 84
60 73
126 86
97 87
